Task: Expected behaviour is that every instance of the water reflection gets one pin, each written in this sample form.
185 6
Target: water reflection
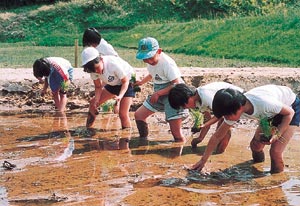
291 189
3 196
60 126
110 166
162 150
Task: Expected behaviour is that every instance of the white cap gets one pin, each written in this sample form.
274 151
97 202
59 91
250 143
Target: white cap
88 54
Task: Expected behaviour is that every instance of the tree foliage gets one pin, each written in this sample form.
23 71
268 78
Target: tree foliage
16 3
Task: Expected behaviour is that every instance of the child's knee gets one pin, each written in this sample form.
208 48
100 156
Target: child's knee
275 154
256 145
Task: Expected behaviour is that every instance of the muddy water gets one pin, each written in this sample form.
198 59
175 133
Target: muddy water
59 162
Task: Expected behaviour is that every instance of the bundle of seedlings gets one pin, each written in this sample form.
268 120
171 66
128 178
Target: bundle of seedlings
64 87
133 81
108 106
198 119
266 128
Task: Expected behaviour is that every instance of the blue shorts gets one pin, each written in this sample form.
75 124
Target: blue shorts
163 105
296 118
116 90
276 120
55 79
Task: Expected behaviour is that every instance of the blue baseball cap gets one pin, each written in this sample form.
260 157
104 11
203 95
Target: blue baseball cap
147 48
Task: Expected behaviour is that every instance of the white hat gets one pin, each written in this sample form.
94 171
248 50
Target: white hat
88 54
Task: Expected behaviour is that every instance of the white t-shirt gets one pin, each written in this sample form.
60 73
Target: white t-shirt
114 69
63 63
208 91
267 101
104 48
164 71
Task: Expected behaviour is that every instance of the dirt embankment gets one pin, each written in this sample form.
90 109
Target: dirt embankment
20 90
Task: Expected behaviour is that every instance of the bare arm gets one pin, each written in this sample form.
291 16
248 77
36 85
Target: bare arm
210 122
206 126
45 87
144 80
125 83
98 90
288 114
164 91
212 143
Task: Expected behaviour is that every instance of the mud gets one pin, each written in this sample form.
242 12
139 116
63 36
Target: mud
60 162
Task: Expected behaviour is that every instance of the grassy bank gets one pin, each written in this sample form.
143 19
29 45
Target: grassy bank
265 40
20 55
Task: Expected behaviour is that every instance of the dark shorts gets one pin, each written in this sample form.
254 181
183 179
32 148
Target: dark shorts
116 90
276 120
296 117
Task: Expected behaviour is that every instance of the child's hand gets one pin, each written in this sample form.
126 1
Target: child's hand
137 83
154 98
117 98
116 107
198 166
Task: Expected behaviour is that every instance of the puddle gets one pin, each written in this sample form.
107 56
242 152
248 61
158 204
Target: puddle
3 196
60 162
291 189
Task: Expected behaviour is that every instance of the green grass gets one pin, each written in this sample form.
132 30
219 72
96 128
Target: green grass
20 55
269 40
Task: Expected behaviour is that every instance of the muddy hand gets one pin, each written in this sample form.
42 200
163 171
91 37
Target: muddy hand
198 166
154 98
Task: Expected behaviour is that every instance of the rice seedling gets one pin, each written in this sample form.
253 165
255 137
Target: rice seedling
198 119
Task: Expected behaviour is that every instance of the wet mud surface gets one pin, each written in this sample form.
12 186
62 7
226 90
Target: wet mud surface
54 160
60 162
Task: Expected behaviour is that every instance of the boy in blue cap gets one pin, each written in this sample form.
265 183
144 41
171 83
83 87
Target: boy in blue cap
164 73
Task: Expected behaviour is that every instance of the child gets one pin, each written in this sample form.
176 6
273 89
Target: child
164 73
111 76
182 96
91 37
58 73
277 103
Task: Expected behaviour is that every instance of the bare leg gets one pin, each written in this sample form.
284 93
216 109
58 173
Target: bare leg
277 149
105 95
225 141
124 112
257 147
141 115
175 126
60 101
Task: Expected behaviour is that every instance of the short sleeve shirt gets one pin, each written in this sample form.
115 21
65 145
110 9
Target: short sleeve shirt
55 77
63 63
104 48
114 70
164 71
268 101
208 91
